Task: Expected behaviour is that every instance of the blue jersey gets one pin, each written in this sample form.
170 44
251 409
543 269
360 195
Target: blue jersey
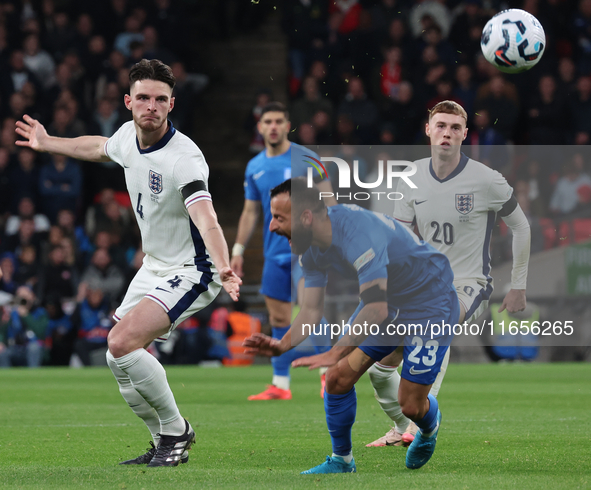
368 246
263 173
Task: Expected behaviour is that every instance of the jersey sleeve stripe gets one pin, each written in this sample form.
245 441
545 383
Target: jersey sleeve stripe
197 196
403 221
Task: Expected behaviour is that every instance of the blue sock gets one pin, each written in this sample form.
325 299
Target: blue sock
340 417
429 422
282 363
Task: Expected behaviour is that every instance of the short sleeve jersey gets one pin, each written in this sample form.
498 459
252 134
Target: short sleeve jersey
368 246
155 179
457 214
262 174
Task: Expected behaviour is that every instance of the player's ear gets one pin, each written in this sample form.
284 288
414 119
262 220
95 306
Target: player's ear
172 99
127 100
427 130
465 134
306 217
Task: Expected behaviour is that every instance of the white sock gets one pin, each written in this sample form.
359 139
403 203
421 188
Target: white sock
148 378
322 371
385 381
281 382
347 458
437 384
135 401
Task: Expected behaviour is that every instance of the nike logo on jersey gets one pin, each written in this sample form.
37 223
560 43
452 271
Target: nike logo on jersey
165 290
258 175
414 371
420 202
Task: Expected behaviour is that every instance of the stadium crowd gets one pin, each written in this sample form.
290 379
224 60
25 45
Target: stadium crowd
361 72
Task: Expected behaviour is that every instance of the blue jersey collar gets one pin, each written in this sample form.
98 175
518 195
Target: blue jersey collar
457 170
160 144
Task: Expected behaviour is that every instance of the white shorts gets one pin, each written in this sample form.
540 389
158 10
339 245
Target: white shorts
181 293
473 296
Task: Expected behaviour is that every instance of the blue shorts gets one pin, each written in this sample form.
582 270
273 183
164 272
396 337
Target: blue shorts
276 282
423 351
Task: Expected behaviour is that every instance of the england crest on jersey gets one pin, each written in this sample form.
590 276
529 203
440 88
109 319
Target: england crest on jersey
155 182
464 203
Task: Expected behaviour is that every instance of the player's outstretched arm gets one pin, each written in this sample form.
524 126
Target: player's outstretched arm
89 148
206 221
375 310
246 226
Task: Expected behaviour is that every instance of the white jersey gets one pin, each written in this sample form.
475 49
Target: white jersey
457 214
155 180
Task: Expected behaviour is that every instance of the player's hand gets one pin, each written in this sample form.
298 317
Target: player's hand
262 345
237 265
231 282
33 132
326 359
514 301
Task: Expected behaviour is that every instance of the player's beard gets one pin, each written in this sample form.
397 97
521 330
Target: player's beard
150 125
301 239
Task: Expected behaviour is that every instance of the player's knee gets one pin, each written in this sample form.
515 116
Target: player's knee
117 346
336 384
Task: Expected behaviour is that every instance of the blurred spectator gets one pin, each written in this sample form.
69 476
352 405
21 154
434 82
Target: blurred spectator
26 236
432 36
500 99
57 277
263 97
24 178
548 115
152 49
488 145
26 210
188 86
60 333
13 79
305 24
362 111
5 189
465 90
382 15
390 73
106 119
24 331
38 61
571 189
104 240
428 14
304 108
104 274
580 109
132 33
8 265
538 188
322 125
582 34
92 322
405 115
27 272
60 184
567 77
61 36
307 135
67 222
466 30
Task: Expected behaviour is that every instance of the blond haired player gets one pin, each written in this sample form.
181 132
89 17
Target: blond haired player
454 206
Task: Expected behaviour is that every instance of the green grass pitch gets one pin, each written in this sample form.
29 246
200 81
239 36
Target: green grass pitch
504 426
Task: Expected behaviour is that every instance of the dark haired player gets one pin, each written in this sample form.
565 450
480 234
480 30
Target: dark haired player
277 162
186 262
403 281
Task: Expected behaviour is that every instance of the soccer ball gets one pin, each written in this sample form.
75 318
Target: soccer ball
513 41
